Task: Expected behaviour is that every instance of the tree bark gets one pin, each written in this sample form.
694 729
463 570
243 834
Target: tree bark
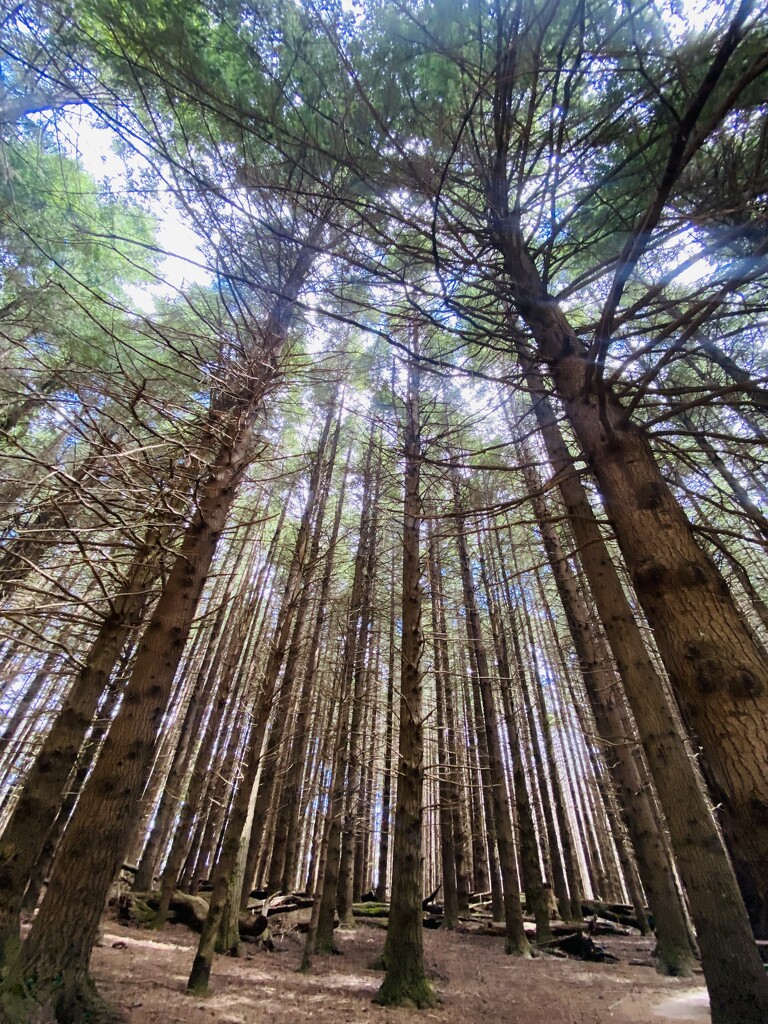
243 802
516 942
535 899
290 819
57 950
405 982
89 752
25 834
674 955
445 795
715 903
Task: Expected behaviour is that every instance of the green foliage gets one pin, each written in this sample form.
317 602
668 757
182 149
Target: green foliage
58 226
67 254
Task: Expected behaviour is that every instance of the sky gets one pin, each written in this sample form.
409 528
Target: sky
96 148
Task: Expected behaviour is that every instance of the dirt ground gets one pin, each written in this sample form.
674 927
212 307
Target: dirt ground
145 973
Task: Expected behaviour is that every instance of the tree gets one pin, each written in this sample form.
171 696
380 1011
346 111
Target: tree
489 186
516 941
227 875
405 981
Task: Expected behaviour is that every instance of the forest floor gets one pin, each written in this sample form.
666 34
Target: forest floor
144 974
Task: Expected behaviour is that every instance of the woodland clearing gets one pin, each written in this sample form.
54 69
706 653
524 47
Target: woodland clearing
144 974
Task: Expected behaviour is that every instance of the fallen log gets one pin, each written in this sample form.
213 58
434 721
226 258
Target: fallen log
479 897
189 910
287 904
580 947
618 913
140 909
566 939
370 910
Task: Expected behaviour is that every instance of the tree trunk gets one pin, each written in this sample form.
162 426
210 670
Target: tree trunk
215 767
567 846
170 797
34 814
242 806
89 752
481 869
535 899
559 883
27 708
324 941
718 671
290 818
319 906
711 532
219 686
333 859
445 795
674 955
516 942
57 950
458 829
728 953
361 613
386 785
405 982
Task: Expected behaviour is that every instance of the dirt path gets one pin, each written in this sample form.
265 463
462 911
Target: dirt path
145 974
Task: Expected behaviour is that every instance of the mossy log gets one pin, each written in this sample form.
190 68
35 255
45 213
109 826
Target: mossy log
141 909
370 909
